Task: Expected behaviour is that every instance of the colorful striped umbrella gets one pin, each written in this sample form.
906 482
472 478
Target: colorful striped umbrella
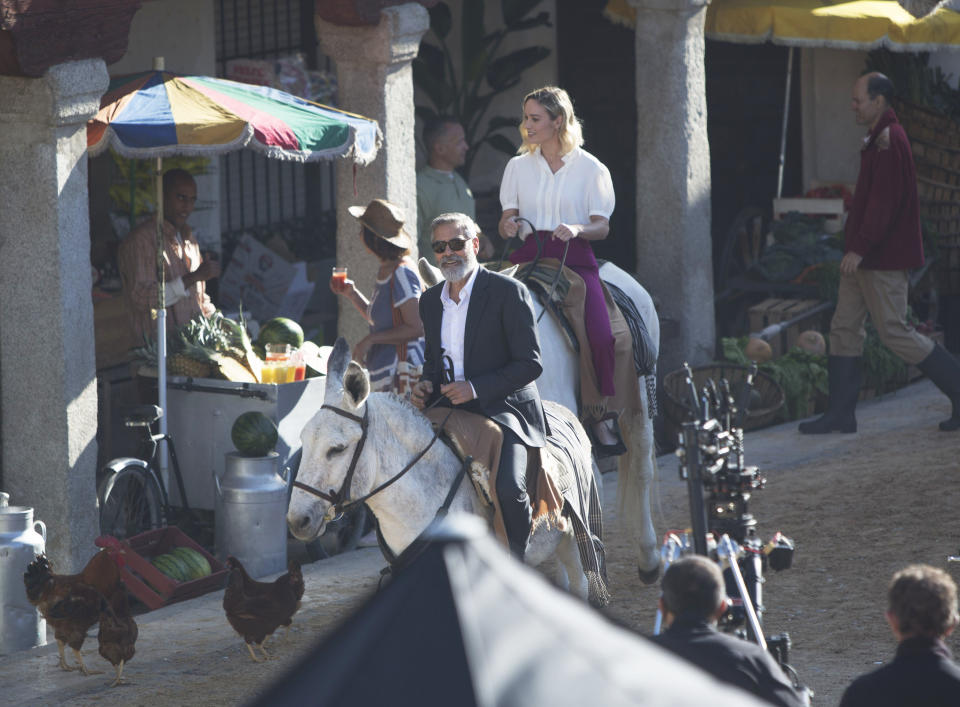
160 114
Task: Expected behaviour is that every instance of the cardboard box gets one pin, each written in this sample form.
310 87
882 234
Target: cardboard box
266 284
776 310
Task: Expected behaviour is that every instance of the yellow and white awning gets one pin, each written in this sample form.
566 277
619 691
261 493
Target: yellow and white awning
860 24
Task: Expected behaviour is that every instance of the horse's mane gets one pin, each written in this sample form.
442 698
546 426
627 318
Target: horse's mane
395 406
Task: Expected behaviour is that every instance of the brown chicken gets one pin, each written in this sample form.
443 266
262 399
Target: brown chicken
118 632
257 609
71 603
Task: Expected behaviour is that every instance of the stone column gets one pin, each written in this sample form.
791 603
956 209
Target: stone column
375 79
673 177
47 368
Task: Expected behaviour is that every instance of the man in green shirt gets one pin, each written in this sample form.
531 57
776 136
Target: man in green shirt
440 189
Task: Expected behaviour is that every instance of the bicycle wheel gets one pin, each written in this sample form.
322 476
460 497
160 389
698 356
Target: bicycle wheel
131 501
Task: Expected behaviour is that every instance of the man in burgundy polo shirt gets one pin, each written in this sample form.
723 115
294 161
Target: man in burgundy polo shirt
883 242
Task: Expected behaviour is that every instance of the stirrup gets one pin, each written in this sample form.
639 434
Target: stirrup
600 450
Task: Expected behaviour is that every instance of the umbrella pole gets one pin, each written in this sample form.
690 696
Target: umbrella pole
161 325
783 126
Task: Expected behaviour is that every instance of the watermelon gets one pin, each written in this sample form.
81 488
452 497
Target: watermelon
281 330
254 434
197 563
172 566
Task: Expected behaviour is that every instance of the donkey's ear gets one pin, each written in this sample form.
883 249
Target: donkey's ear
339 358
428 273
356 384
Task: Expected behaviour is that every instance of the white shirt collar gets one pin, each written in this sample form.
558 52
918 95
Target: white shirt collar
464 293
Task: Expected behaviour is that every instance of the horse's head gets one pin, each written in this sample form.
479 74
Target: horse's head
329 441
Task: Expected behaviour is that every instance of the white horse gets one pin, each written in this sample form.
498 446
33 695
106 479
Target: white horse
396 434
636 469
560 382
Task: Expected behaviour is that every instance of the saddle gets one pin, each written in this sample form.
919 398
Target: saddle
632 345
559 491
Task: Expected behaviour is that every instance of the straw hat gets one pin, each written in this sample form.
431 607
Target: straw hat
384 220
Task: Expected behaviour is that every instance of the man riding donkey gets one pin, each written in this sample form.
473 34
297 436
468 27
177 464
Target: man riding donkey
483 356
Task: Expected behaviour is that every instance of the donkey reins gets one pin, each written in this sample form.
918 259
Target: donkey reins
340 500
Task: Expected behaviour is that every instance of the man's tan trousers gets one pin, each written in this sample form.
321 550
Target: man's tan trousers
882 294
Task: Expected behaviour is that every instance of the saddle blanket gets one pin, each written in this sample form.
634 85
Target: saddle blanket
570 295
561 488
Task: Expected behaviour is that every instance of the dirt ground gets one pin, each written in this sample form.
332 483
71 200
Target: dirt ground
857 506
858 511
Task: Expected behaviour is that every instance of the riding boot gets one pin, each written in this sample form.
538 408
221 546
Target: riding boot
511 488
944 370
844 383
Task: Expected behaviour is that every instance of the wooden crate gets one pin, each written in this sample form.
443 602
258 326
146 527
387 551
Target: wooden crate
776 310
830 209
153 587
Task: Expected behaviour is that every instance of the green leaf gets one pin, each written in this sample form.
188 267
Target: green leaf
498 122
499 142
440 19
541 20
516 10
472 40
431 59
506 70
438 91
425 113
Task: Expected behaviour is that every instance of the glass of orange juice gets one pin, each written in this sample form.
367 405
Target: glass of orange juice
277 367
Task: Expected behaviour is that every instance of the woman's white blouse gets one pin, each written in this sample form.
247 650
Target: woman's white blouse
581 188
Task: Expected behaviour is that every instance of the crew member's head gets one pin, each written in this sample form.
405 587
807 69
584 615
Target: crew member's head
548 117
446 143
693 588
872 94
382 229
922 601
179 196
456 243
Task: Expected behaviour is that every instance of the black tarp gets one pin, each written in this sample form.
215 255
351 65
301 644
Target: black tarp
465 624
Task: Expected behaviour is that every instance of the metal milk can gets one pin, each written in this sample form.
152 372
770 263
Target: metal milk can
251 513
21 540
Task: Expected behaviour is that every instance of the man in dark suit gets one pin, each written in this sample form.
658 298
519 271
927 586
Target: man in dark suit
694 597
483 354
922 612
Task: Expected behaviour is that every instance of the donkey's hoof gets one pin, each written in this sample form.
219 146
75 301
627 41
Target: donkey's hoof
649 576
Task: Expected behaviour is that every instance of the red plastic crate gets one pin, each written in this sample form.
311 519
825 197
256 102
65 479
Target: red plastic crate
163 590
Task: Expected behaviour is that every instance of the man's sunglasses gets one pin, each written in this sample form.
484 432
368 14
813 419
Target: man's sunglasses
456 245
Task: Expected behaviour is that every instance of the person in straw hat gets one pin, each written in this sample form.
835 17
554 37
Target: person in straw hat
395 340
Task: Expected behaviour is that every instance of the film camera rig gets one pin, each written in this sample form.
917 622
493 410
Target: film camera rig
719 487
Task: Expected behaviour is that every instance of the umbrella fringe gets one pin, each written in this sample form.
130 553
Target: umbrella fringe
111 140
821 43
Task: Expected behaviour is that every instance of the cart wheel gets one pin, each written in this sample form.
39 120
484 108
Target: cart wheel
742 247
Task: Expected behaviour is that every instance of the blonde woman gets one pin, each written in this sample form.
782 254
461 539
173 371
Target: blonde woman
567 194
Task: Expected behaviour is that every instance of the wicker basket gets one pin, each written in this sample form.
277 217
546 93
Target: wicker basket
761 415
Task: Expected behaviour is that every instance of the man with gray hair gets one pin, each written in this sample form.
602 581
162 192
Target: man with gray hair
694 598
922 612
483 355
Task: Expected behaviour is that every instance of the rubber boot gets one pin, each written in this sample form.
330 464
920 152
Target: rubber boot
944 370
844 382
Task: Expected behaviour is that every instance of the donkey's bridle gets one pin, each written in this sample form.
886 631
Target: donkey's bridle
340 500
